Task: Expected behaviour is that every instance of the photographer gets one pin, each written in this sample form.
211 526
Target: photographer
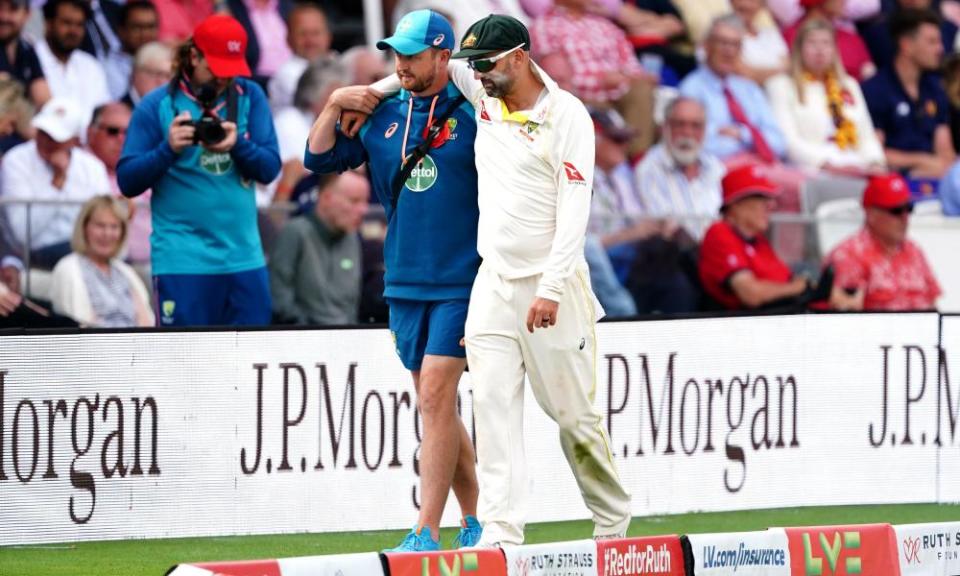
200 143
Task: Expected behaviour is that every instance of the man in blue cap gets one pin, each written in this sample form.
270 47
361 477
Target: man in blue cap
429 191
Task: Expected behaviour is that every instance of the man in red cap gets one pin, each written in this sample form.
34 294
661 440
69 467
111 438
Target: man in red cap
878 265
738 267
200 143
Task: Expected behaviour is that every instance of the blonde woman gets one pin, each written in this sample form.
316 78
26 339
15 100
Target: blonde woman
821 109
92 285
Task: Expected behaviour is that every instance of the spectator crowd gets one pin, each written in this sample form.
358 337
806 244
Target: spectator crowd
152 168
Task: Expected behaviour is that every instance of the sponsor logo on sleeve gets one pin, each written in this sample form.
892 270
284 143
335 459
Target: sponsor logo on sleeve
573 175
484 115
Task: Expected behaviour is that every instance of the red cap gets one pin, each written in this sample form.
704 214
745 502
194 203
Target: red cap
811 3
223 42
887 191
747 180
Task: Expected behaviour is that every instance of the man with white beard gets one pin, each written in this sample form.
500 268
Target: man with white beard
643 247
677 178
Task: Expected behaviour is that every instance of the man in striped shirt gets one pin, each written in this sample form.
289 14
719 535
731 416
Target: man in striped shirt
677 178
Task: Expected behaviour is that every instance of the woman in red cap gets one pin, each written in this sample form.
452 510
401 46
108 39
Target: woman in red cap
738 267
853 52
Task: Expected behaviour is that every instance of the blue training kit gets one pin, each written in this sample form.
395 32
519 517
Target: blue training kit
430 252
206 255
431 246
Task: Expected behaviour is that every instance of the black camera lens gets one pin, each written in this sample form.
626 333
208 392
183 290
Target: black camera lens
208 130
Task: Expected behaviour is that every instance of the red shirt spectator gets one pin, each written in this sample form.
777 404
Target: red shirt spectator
597 50
178 18
738 267
890 270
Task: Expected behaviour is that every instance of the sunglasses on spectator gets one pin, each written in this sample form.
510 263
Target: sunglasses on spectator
899 210
113 131
484 65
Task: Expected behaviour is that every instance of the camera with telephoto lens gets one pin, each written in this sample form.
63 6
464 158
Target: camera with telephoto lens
209 128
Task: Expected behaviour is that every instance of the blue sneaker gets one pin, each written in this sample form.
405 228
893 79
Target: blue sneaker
418 539
469 535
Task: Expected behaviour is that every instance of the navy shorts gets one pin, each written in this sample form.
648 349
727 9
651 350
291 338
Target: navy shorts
427 327
238 299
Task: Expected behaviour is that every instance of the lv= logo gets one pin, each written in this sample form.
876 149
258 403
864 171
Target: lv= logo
470 563
831 552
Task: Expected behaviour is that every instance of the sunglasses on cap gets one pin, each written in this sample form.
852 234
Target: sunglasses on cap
484 65
899 210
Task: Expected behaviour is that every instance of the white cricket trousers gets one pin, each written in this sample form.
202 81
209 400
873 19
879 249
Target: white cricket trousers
560 362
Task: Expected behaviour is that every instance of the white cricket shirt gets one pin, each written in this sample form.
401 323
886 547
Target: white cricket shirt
535 176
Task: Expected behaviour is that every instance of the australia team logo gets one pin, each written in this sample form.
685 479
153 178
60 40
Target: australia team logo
423 176
167 308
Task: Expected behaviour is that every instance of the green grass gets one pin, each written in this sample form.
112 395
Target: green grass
154 557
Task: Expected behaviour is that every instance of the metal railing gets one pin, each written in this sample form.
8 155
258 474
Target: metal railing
800 239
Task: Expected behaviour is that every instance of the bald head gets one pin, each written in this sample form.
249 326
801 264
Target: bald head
308 33
343 201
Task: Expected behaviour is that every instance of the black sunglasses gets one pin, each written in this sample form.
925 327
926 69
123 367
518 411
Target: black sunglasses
484 65
113 131
900 210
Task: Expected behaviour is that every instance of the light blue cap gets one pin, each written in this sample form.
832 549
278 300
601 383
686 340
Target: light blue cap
419 30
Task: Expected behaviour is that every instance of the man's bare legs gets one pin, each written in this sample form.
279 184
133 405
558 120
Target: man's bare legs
447 458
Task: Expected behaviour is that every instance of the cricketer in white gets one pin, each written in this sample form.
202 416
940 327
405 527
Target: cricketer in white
532 310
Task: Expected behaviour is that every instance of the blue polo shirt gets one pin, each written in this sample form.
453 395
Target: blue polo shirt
908 125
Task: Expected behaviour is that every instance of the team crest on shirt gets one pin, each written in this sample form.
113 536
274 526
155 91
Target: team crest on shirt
390 130
167 308
931 108
527 129
451 126
573 175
